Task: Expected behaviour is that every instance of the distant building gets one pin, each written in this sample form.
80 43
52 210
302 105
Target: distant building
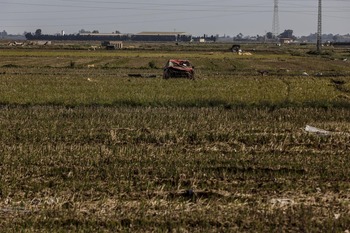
100 34
162 36
143 36
286 40
110 45
345 38
104 36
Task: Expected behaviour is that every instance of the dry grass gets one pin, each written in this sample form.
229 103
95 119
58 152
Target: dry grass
89 168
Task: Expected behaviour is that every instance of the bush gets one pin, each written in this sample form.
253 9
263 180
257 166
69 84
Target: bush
324 53
152 65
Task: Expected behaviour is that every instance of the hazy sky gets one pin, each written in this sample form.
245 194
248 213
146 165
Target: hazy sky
229 17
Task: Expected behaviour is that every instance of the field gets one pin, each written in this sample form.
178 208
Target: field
85 147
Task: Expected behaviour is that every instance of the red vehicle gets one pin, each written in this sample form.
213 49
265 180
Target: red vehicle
178 69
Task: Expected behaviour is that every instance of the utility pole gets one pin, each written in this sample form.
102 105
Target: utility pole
319 26
275 24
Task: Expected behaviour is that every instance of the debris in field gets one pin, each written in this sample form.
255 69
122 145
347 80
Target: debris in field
263 72
322 132
235 48
281 202
91 66
175 68
311 129
110 47
245 54
305 74
93 48
91 80
15 43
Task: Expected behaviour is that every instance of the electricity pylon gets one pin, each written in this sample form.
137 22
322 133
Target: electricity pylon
275 24
319 26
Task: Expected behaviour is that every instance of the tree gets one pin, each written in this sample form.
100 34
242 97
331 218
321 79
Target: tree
269 35
38 32
83 31
28 35
336 37
287 34
239 36
95 31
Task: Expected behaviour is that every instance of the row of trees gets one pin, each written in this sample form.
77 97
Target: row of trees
288 33
30 36
117 36
95 31
38 32
38 35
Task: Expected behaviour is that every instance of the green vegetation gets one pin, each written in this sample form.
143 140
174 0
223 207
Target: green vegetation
91 149
99 87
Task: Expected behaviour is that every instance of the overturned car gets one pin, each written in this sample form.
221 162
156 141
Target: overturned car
178 69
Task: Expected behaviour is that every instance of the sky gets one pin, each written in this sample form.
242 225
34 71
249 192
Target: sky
197 17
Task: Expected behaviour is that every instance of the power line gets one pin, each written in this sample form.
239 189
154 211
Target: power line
111 9
155 6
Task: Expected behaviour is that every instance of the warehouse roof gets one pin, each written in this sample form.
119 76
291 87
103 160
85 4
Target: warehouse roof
162 33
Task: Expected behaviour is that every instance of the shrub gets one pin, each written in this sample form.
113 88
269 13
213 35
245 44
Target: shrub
152 65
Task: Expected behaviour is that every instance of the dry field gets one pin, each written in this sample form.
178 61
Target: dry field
90 149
